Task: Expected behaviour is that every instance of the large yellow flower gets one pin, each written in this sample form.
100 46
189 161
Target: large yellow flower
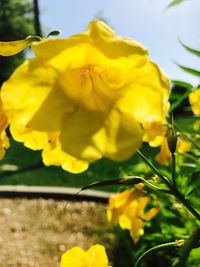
85 97
93 257
4 142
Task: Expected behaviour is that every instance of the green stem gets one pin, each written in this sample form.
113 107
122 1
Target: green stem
171 187
156 248
186 203
174 169
189 245
156 171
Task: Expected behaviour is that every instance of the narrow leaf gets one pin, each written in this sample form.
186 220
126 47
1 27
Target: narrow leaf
189 70
193 190
175 3
182 84
191 50
179 101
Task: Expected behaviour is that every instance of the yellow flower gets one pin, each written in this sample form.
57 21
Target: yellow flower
14 47
134 216
164 156
118 203
4 142
183 146
91 92
127 209
93 257
194 99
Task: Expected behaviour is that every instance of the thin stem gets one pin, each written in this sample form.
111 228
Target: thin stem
189 245
174 169
156 171
172 188
156 248
186 203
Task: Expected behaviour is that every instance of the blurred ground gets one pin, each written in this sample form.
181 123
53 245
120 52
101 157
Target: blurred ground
35 233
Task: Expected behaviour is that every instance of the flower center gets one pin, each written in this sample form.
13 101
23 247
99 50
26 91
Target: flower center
94 86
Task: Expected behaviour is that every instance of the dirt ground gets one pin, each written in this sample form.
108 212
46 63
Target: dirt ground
36 232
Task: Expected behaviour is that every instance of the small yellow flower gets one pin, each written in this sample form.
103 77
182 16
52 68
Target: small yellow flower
127 209
194 99
134 216
14 47
95 256
4 142
118 203
164 156
183 146
91 92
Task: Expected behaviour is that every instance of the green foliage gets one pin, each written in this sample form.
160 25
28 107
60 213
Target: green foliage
175 3
189 70
191 50
16 22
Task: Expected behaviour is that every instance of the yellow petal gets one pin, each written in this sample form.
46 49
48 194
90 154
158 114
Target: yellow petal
97 256
148 97
125 221
164 156
37 103
183 146
119 203
136 230
82 134
32 139
4 141
112 45
124 135
75 257
14 47
54 155
151 213
194 99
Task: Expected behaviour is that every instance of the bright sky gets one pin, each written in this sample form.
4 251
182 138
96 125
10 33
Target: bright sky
145 21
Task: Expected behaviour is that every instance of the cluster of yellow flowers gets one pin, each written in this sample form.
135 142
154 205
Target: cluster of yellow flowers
128 209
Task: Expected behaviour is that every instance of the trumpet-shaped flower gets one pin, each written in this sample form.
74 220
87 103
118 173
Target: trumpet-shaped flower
127 209
95 256
4 142
14 47
194 99
164 156
91 92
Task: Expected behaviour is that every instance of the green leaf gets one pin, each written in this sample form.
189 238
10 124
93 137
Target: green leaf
54 33
193 190
175 3
182 84
189 70
179 101
191 50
